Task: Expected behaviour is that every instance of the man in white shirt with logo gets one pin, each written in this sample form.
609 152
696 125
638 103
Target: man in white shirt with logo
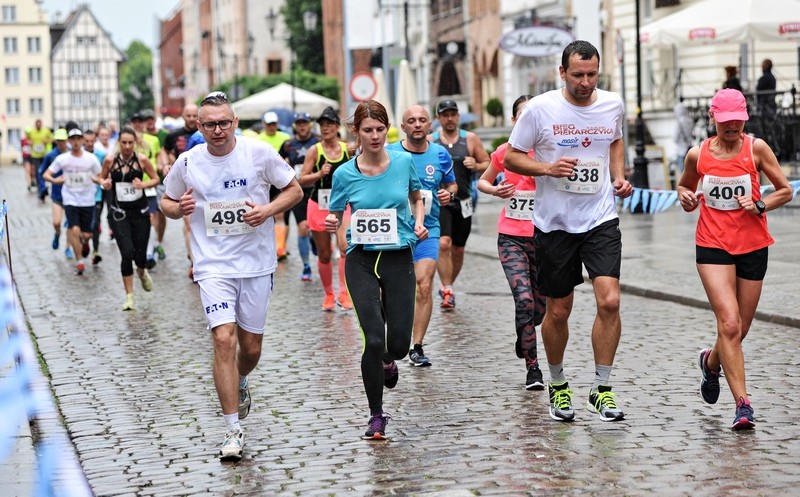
224 185
576 134
80 176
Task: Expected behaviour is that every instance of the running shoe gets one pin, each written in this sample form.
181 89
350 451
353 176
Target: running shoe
344 301
244 401
390 375
68 253
80 268
232 446
602 402
329 304
709 384
533 380
96 259
151 263
448 299
282 254
377 427
416 357
560 402
306 276
147 281
85 249
56 240
744 416
161 254
128 305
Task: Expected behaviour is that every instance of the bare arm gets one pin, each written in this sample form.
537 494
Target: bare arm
687 185
478 159
616 157
766 160
519 162
415 198
307 178
486 184
148 168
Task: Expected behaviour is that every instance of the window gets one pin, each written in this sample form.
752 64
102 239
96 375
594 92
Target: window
12 106
86 40
85 98
274 66
37 106
12 75
34 44
15 138
90 68
9 13
10 45
35 75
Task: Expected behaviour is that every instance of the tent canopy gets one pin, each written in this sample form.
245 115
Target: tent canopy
721 21
254 106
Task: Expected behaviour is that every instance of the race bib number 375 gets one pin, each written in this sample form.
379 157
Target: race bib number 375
226 218
374 227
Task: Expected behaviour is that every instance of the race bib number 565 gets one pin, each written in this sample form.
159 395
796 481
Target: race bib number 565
226 218
374 227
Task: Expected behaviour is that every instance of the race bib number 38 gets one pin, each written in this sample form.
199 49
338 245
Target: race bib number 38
374 227
721 192
226 218
587 177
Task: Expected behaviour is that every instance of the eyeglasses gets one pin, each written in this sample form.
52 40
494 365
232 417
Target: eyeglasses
212 125
215 96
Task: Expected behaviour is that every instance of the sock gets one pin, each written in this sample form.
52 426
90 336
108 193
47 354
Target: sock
280 238
601 376
304 247
150 243
243 382
557 373
326 276
232 422
342 283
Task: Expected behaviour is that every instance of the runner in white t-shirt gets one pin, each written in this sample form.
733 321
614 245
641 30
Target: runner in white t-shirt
576 134
224 185
80 176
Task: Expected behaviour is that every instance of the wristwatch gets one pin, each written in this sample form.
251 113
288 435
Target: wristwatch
761 206
452 197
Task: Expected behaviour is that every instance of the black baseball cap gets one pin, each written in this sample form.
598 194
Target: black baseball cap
329 115
446 105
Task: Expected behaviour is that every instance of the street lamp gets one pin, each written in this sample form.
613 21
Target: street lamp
309 24
640 161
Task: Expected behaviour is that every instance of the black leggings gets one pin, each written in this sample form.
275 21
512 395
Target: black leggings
131 233
382 286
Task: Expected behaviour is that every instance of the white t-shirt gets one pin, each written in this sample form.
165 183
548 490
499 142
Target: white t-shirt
78 189
222 245
554 128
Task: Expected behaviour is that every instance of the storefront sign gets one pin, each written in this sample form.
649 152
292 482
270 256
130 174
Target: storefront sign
536 41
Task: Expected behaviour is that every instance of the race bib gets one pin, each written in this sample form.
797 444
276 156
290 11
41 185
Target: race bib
374 227
297 169
427 201
226 218
520 206
721 192
78 180
150 192
38 148
323 198
126 192
466 207
587 177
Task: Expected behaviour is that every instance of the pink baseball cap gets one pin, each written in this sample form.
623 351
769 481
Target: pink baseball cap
729 105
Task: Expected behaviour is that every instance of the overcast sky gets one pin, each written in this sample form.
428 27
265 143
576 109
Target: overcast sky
124 20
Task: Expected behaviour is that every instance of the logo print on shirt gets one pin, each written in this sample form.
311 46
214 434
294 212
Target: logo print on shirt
235 183
429 170
586 142
569 142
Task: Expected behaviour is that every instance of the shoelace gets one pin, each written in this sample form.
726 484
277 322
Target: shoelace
606 398
562 398
377 422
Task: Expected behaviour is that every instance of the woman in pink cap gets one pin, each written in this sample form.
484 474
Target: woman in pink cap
731 238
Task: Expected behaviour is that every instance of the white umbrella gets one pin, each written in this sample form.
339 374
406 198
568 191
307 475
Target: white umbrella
382 93
406 92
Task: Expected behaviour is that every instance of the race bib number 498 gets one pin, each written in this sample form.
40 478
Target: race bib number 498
374 227
226 218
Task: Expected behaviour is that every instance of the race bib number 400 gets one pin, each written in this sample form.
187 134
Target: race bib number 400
374 227
587 177
720 192
520 206
226 218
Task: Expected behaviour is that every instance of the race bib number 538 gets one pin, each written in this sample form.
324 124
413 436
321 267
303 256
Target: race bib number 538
374 227
226 218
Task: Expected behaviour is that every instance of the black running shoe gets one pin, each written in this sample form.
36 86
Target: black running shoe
417 358
533 381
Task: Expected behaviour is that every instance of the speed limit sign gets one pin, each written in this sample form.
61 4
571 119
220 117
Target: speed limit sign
363 86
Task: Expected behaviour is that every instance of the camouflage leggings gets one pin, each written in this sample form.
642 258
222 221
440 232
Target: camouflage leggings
518 257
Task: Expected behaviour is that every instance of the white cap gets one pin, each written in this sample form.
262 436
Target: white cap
75 132
270 117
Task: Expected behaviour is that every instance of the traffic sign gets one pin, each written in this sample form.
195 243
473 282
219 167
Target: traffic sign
363 86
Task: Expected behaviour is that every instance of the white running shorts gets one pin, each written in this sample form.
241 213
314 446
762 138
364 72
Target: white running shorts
243 301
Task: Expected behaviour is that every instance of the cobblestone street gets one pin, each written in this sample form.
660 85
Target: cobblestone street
137 396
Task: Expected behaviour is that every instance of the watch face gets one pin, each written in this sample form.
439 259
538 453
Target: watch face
761 206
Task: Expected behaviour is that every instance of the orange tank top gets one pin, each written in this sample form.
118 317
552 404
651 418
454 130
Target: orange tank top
722 223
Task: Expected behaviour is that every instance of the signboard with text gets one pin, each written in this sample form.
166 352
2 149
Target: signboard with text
536 41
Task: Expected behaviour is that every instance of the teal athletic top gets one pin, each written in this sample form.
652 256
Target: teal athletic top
388 190
434 167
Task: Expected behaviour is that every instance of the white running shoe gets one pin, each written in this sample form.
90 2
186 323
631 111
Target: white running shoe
232 446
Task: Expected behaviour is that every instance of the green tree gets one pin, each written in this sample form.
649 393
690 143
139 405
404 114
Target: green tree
306 44
136 79
494 107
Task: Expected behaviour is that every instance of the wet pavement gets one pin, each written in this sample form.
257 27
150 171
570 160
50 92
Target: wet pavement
137 398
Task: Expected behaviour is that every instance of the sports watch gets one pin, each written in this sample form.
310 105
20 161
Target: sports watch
761 206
